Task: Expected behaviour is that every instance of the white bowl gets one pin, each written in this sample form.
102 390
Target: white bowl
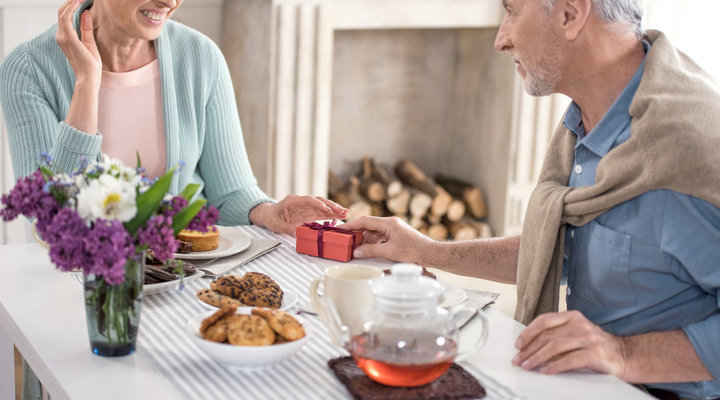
242 356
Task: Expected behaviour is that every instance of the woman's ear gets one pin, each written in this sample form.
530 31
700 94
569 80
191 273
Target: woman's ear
574 14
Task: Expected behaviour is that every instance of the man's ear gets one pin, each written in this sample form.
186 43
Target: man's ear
574 14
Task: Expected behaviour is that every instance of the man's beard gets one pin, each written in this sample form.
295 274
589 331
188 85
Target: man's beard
543 82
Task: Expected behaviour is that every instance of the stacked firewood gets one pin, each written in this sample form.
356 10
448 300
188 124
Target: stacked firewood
442 208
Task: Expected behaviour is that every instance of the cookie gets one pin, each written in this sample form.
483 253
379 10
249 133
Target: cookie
282 323
230 285
261 298
217 299
259 280
249 330
217 332
219 314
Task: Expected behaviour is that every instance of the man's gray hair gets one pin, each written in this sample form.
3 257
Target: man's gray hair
627 11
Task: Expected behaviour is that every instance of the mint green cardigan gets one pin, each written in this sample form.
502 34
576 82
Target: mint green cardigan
202 126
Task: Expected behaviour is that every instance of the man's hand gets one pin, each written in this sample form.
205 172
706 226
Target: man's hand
559 342
293 210
389 238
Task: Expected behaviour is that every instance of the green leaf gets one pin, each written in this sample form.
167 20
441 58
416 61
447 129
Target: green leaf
189 191
184 216
149 201
46 173
137 155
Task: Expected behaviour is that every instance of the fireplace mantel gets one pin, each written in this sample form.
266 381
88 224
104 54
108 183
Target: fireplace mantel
282 56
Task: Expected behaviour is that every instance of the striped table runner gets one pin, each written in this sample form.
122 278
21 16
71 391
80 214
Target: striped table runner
163 342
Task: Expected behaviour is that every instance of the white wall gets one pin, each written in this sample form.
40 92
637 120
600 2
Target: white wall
690 26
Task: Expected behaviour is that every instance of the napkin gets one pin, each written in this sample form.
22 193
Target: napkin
258 247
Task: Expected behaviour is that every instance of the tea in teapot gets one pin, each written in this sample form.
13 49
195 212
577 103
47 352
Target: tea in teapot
405 339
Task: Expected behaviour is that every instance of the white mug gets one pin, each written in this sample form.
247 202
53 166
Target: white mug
348 287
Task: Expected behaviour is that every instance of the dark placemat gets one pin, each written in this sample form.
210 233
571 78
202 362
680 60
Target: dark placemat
456 383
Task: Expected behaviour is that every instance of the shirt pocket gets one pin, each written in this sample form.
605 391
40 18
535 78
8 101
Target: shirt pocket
603 276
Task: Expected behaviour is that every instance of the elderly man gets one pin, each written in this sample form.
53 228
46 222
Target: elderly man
627 208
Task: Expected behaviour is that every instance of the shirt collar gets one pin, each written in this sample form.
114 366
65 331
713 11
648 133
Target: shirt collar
612 123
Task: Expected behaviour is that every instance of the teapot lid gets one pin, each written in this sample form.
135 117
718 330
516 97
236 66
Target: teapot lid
406 289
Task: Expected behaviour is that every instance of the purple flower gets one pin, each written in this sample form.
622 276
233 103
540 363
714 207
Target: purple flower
109 246
28 198
158 234
204 220
65 233
174 206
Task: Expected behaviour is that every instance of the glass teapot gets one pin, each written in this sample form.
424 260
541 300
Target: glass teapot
404 338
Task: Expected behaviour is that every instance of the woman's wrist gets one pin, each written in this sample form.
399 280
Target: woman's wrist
258 214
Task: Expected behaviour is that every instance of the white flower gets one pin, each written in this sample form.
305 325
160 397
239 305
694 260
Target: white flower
107 197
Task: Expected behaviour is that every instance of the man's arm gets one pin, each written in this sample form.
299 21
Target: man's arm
393 239
558 342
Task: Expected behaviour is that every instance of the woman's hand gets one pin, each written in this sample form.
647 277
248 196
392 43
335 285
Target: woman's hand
293 210
82 54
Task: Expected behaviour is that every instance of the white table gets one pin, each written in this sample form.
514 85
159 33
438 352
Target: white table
42 313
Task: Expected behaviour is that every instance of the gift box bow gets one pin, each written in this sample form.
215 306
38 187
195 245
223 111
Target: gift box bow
328 226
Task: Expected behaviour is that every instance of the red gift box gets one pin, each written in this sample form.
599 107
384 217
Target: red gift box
326 241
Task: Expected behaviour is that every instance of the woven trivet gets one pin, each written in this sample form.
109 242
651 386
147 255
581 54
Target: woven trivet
456 383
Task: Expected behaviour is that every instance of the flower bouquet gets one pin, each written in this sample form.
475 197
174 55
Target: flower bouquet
100 220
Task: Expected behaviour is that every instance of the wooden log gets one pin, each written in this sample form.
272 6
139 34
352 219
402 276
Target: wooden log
378 210
357 210
460 230
441 202
352 200
482 228
470 194
437 231
433 219
417 222
372 190
393 189
411 175
398 205
456 210
419 204
335 184
376 173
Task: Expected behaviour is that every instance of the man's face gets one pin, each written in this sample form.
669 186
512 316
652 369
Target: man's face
527 35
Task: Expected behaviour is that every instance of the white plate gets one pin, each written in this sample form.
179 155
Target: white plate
231 241
289 299
243 356
155 288
452 296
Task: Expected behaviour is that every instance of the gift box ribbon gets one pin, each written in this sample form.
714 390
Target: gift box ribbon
327 226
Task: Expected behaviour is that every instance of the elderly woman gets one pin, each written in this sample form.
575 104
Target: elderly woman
117 77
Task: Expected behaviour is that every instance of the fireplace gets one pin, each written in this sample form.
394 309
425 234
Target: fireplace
322 83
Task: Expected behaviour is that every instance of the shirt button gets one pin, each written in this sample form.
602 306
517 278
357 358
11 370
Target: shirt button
578 169
569 291
572 233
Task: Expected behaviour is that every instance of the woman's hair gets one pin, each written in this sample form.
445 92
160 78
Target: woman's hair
629 12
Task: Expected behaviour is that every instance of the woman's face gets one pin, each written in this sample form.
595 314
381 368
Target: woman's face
134 19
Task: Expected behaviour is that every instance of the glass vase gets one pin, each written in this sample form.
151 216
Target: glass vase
113 312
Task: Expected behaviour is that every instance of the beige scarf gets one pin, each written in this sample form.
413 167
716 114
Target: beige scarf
674 144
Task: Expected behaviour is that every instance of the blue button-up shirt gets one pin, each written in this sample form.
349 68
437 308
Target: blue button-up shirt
649 264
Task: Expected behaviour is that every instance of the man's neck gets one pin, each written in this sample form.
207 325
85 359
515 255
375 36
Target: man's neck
604 70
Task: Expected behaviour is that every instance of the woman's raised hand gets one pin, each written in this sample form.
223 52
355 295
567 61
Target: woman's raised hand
82 54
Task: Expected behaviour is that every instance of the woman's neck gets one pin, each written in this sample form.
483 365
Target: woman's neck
119 51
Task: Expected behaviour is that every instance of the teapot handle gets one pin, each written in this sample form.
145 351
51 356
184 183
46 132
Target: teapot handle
483 335
324 306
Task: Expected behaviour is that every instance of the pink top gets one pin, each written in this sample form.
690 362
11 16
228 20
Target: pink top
130 117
